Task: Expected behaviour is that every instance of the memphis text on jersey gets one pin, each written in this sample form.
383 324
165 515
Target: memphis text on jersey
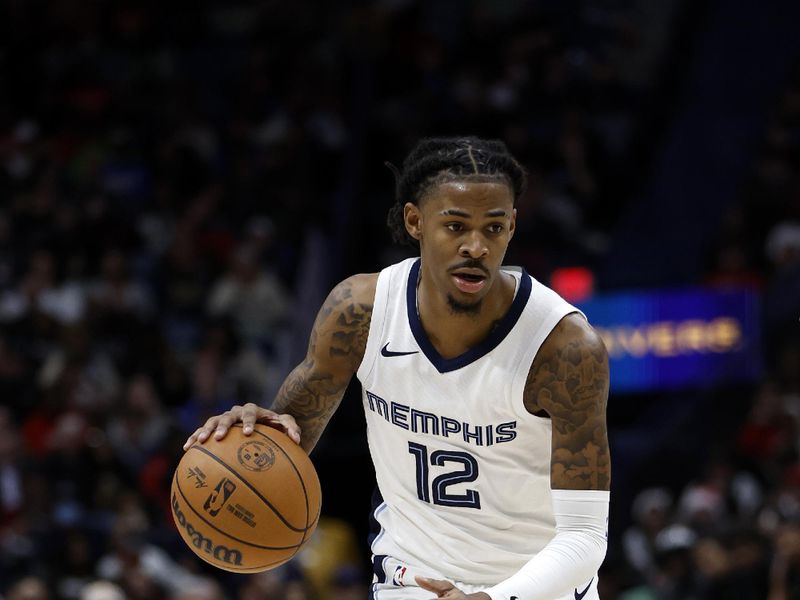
419 421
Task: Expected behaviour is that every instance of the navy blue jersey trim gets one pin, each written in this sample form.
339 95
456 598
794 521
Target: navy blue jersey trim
377 567
375 531
374 526
498 334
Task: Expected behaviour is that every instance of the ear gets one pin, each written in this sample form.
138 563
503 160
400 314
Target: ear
413 220
512 226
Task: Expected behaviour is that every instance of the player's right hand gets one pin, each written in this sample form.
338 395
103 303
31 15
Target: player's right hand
248 415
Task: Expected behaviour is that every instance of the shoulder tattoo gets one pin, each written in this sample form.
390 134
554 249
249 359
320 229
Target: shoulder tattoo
350 323
313 390
569 380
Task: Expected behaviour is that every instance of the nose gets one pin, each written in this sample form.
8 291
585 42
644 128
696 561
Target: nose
473 246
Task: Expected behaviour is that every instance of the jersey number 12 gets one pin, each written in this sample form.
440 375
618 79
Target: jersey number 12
437 490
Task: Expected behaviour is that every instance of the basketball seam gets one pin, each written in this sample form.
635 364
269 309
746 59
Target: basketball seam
296 470
303 541
302 484
259 568
254 490
225 533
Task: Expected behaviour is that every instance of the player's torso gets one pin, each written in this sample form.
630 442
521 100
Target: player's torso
463 468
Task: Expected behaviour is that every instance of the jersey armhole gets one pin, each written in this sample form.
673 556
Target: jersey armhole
376 325
537 338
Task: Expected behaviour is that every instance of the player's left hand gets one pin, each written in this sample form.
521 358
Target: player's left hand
445 589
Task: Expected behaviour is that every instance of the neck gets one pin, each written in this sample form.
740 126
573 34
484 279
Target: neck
452 331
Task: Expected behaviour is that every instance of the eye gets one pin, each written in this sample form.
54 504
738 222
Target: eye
496 228
455 227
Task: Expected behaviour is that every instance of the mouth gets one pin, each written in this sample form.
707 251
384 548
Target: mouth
469 281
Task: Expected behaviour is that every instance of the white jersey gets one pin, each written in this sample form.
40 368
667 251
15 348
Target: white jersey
463 469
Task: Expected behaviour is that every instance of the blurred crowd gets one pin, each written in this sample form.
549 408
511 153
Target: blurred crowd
154 202
734 530
162 168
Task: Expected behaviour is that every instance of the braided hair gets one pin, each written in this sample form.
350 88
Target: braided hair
435 161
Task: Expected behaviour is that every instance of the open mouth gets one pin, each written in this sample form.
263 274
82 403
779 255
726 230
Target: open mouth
469 282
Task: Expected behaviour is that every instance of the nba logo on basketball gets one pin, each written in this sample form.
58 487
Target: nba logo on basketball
217 499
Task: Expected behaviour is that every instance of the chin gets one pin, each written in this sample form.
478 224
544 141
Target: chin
464 308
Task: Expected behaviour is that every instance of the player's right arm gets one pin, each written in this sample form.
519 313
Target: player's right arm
313 390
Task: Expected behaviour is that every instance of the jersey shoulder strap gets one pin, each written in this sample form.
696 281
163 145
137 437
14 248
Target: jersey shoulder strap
391 283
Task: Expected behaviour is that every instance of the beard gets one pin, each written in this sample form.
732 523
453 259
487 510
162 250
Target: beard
461 308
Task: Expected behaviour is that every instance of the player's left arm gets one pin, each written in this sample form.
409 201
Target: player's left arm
569 381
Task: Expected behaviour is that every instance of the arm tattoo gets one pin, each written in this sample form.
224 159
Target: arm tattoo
311 398
313 390
350 338
569 380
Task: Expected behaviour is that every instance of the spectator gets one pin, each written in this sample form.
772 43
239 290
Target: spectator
11 492
30 588
102 590
652 511
252 296
202 589
42 292
269 584
676 579
784 577
87 377
143 569
208 394
141 427
73 572
115 298
348 584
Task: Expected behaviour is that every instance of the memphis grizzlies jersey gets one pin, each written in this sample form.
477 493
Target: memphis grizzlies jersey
463 469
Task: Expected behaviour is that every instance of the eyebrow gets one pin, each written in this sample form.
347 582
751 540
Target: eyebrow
457 212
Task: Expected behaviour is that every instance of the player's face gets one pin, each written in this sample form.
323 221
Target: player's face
464 229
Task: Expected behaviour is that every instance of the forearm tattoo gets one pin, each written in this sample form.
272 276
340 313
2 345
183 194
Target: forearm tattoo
313 390
570 381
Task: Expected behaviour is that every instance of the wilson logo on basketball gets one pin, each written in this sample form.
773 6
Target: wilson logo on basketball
256 456
217 499
218 551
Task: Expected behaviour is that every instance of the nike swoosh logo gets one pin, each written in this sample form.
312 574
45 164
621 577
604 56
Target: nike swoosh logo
386 352
579 596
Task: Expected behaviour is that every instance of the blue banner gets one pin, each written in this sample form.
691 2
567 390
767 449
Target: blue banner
678 339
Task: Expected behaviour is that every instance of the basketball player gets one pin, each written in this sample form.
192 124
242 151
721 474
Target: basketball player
484 392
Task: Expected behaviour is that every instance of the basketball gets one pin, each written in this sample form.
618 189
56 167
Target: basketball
246 503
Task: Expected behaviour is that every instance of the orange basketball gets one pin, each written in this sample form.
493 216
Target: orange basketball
246 503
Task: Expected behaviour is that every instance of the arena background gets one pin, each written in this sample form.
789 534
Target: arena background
182 183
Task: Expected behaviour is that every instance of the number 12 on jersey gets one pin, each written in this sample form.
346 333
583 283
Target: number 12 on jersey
436 491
